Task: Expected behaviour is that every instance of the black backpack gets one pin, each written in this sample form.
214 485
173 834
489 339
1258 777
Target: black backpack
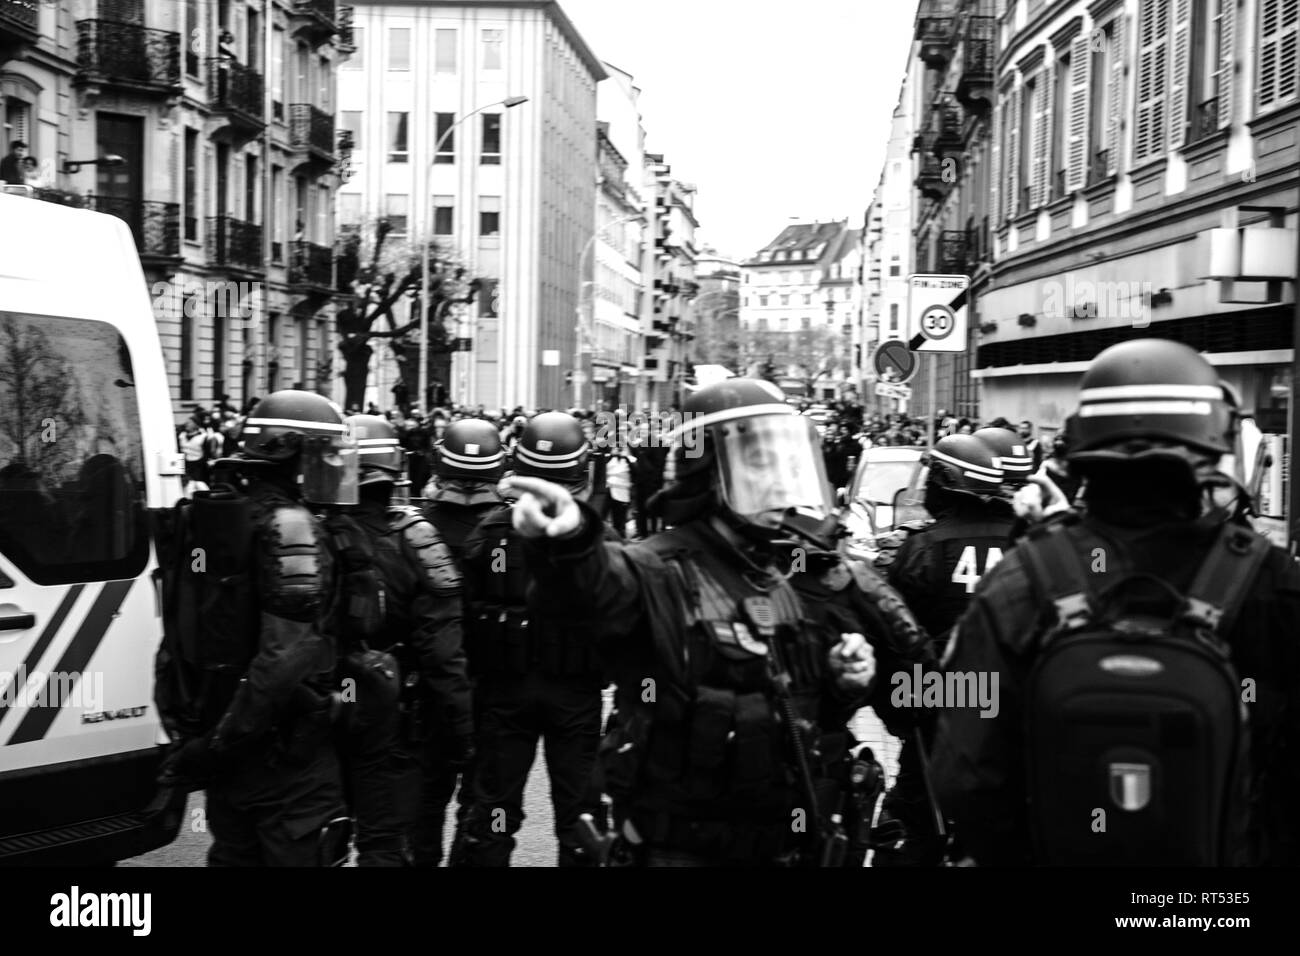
208 592
361 600
1137 744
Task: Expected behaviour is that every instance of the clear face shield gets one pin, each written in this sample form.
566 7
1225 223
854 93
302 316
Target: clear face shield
330 470
772 471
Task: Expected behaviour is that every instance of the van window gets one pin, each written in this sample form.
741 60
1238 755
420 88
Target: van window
72 494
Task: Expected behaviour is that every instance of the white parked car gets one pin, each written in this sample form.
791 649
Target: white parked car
885 492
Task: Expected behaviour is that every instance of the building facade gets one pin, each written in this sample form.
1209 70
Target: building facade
510 193
1131 136
717 311
218 118
671 261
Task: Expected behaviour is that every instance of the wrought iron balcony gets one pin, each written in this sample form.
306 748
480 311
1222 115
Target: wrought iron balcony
930 180
311 129
237 90
1099 167
943 130
954 252
311 265
978 56
936 36
346 41
315 20
156 226
128 56
19 26
1205 121
234 243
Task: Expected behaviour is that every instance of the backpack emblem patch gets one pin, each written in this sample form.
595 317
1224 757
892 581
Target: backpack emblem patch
1130 785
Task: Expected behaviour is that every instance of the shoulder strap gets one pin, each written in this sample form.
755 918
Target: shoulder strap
1058 572
1225 577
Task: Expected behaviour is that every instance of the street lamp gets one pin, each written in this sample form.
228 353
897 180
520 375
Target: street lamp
583 283
71 166
508 102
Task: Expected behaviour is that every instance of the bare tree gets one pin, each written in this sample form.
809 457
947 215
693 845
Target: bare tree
375 273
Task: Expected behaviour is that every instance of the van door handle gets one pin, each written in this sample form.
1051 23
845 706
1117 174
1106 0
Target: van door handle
17 622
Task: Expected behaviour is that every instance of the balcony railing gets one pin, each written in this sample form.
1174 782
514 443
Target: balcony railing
325 9
1205 121
936 36
311 265
311 128
234 243
347 41
943 130
20 16
123 54
929 182
156 226
977 61
317 20
236 88
954 252
1099 168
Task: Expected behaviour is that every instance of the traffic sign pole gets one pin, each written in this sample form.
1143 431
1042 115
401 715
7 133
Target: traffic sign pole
934 374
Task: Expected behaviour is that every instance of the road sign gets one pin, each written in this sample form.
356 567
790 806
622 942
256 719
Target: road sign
892 390
894 362
936 311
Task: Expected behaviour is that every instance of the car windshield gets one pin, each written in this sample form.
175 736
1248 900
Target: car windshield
880 479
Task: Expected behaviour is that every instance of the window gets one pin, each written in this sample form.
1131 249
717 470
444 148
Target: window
785 323
191 212
1211 72
357 60
302 323
250 189
762 301
277 213
444 51
444 126
1028 99
351 121
444 215
322 214
17 124
191 311
893 318
71 510
220 356
325 90
763 324
399 48
193 39
397 145
277 73
807 299
396 209
492 49
895 269
489 216
1279 65
349 212
491 140
807 322
1061 121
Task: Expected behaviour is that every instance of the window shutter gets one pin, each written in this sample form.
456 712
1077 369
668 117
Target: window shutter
995 156
1148 137
1013 161
1038 144
1115 106
1277 51
1178 72
1224 87
1076 159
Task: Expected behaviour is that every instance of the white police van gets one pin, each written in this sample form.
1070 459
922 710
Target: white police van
87 446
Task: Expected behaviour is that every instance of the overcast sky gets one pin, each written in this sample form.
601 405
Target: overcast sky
775 110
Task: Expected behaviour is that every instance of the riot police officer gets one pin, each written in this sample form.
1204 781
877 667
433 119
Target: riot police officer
1014 457
269 763
725 687
468 463
1154 424
536 672
936 571
399 629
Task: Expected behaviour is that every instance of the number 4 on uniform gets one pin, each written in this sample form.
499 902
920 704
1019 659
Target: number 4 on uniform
967 572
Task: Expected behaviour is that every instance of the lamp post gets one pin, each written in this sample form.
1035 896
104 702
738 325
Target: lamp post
582 287
508 102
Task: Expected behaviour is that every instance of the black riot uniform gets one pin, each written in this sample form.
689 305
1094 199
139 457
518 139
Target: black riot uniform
468 463
936 571
536 673
273 782
399 630
732 696
1153 424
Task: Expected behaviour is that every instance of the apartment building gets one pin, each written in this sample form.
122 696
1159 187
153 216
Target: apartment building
672 261
208 127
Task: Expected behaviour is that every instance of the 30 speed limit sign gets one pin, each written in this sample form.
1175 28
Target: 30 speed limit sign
936 307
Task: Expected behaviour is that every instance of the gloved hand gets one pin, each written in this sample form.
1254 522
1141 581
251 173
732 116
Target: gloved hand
1040 498
191 765
460 751
853 663
544 509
